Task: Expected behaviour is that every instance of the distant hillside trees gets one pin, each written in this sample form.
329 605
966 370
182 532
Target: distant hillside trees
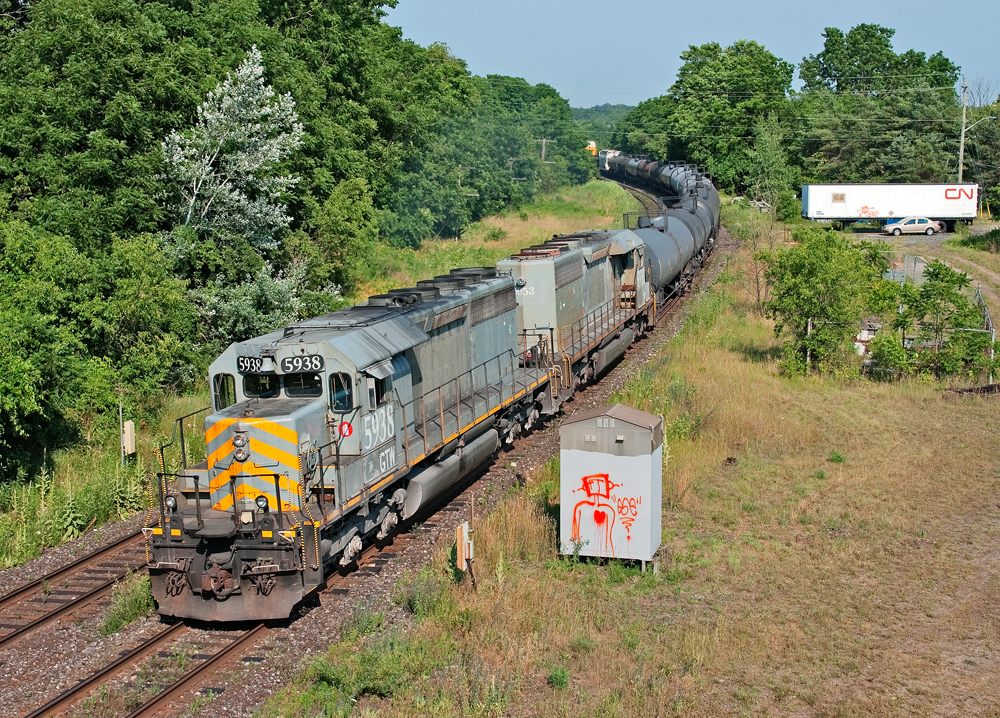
598 122
865 112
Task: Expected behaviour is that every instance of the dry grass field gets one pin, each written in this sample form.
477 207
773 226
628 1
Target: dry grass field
595 205
832 549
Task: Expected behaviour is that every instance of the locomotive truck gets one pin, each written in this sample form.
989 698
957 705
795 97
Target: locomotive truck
326 434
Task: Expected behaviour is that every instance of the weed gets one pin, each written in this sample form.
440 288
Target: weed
836 457
494 234
582 644
362 622
558 677
819 474
131 598
427 594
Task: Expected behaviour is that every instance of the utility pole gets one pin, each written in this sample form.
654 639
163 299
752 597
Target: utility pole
544 143
961 144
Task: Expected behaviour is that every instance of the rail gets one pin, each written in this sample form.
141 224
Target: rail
579 338
79 584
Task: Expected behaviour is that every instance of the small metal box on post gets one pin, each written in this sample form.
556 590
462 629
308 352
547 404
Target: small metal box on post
611 487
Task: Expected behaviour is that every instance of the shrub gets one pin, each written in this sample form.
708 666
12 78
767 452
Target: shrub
427 594
988 242
559 677
788 207
130 598
889 358
495 234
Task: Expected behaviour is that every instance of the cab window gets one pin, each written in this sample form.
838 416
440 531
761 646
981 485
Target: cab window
921 221
225 390
341 396
911 221
261 386
378 391
305 384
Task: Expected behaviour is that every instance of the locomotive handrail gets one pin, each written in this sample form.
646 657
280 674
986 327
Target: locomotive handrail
445 406
179 423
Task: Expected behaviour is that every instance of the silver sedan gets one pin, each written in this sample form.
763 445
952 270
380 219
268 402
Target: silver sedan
914 225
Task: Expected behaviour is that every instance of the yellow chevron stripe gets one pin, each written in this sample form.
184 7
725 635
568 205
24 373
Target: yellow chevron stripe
251 468
258 445
282 432
271 452
220 453
217 428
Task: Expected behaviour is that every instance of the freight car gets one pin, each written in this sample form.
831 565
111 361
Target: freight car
327 433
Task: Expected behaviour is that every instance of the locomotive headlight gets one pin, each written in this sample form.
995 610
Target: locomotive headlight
261 502
241 455
171 502
239 440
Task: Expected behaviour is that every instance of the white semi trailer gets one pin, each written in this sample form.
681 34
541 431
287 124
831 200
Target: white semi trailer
885 203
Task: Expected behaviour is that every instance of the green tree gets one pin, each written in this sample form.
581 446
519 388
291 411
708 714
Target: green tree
821 289
871 115
770 175
346 229
944 326
709 114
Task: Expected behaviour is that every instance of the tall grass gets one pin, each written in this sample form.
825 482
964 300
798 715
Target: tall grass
87 485
595 205
131 598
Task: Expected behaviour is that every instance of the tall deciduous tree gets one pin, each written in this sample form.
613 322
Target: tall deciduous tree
869 114
709 114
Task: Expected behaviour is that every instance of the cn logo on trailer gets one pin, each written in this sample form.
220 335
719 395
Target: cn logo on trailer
959 193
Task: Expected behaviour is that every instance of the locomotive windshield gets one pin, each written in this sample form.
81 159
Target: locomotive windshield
261 386
225 391
297 385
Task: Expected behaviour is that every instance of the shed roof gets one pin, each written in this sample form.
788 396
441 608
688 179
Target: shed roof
621 412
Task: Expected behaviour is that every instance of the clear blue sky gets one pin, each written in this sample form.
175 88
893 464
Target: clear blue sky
624 51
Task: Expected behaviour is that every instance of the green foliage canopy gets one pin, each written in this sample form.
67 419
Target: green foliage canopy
865 113
821 289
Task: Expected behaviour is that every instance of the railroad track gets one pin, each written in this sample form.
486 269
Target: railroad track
68 589
229 647
649 202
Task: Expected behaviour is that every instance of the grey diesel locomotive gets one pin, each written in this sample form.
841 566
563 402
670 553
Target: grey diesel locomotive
325 434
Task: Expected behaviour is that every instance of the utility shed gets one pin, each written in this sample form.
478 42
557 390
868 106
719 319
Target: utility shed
611 488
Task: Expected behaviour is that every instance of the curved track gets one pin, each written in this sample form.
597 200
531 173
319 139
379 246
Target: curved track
649 202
